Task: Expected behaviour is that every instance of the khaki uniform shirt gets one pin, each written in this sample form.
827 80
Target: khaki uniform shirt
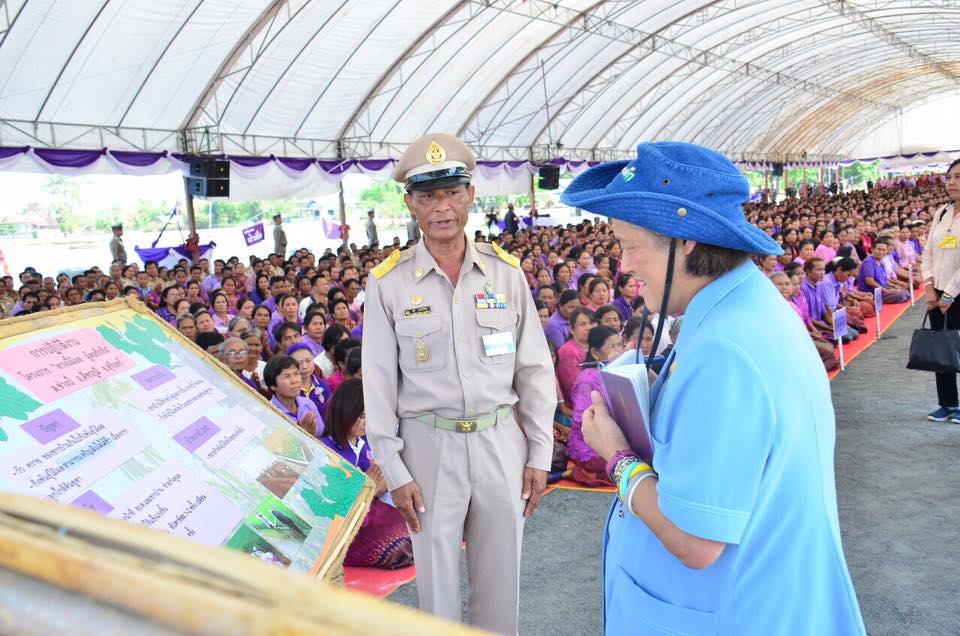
117 251
279 241
423 352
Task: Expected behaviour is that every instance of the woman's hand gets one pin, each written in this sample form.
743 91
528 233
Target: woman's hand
932 300
944 305
600 431
308 422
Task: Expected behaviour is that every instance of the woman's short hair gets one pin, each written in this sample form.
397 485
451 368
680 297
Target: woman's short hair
344 409
182 318
252 332
596 338
566 296
275 366
354 361
596 282
333 335
622 279
580 311
341 349
234 322
604 310
281 329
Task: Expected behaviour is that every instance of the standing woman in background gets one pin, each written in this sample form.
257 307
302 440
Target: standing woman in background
941 275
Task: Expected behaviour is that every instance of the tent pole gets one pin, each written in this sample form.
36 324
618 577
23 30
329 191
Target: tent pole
193 240
343 215
533 193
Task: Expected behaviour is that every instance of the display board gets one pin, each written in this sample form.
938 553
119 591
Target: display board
107 408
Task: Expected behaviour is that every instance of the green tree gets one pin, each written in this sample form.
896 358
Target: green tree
63 194
386 198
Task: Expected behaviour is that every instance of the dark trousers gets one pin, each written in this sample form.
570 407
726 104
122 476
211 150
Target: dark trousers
946 382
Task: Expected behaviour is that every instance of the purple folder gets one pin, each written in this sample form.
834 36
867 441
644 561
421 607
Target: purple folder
626 390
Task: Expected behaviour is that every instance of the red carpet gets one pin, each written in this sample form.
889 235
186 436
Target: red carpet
888 315
567 484
376 582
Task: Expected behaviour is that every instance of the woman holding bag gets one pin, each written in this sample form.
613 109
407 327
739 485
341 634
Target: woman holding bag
941 275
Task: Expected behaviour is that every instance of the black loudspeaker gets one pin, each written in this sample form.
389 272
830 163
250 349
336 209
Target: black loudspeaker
549 177
777 170
208 188
209 177
209 168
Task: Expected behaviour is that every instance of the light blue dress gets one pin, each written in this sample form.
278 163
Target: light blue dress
743 431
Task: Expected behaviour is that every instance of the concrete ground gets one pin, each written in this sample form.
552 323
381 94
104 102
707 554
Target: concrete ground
897 477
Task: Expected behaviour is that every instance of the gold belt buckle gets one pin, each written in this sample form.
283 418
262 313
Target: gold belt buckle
466 426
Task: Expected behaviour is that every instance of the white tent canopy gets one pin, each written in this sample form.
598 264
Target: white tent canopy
519 79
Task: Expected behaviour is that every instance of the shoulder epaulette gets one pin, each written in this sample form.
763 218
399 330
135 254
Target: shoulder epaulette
388 263
505 256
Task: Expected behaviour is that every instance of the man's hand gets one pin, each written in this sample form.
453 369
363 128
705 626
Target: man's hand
534 483
408 501
600 431
944 305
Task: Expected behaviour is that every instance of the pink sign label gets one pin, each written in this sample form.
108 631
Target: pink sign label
55 367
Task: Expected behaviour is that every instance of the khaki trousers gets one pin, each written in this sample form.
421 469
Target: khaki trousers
471 485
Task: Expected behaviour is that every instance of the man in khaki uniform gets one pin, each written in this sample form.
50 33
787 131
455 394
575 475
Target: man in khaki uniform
453 356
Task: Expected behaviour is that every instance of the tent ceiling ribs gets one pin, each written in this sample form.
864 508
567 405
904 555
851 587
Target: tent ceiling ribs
853 13
396 69
265 18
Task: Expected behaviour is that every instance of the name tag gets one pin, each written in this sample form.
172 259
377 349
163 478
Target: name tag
948 243
497 344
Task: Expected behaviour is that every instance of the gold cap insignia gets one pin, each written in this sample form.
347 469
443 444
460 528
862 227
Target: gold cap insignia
436 155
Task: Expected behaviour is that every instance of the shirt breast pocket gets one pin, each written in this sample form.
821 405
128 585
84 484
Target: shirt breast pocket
422 344
492 321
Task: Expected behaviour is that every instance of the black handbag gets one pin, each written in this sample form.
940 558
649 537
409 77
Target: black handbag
936 350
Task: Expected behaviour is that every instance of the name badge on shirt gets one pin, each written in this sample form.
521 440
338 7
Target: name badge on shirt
497 344
948 243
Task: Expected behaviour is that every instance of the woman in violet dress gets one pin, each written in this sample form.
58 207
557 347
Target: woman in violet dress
588 467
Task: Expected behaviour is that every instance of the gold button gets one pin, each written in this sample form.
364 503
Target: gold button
456 300
682 212
466 375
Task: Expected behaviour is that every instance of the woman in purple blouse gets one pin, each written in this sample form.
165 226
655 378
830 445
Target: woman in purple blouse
604 344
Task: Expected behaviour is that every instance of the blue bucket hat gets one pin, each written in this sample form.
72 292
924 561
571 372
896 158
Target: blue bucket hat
676 189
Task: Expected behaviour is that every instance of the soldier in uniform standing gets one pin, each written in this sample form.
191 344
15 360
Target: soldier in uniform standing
459 392
118 253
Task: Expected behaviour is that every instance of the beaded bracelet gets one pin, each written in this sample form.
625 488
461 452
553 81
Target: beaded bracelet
632 471
632 488
617 458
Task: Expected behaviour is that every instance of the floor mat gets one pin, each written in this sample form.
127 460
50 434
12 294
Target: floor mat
377 582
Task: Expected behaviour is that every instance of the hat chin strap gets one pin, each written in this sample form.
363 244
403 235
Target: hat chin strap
667 284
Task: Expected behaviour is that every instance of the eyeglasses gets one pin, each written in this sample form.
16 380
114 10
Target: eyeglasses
236 354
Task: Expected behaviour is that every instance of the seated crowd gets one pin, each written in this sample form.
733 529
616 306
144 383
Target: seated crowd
292 328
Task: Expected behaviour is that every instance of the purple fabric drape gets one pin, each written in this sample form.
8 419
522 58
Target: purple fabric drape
12 151
160 253
250 162
331 229
139 159
374 164
336 166
63 158
295 163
